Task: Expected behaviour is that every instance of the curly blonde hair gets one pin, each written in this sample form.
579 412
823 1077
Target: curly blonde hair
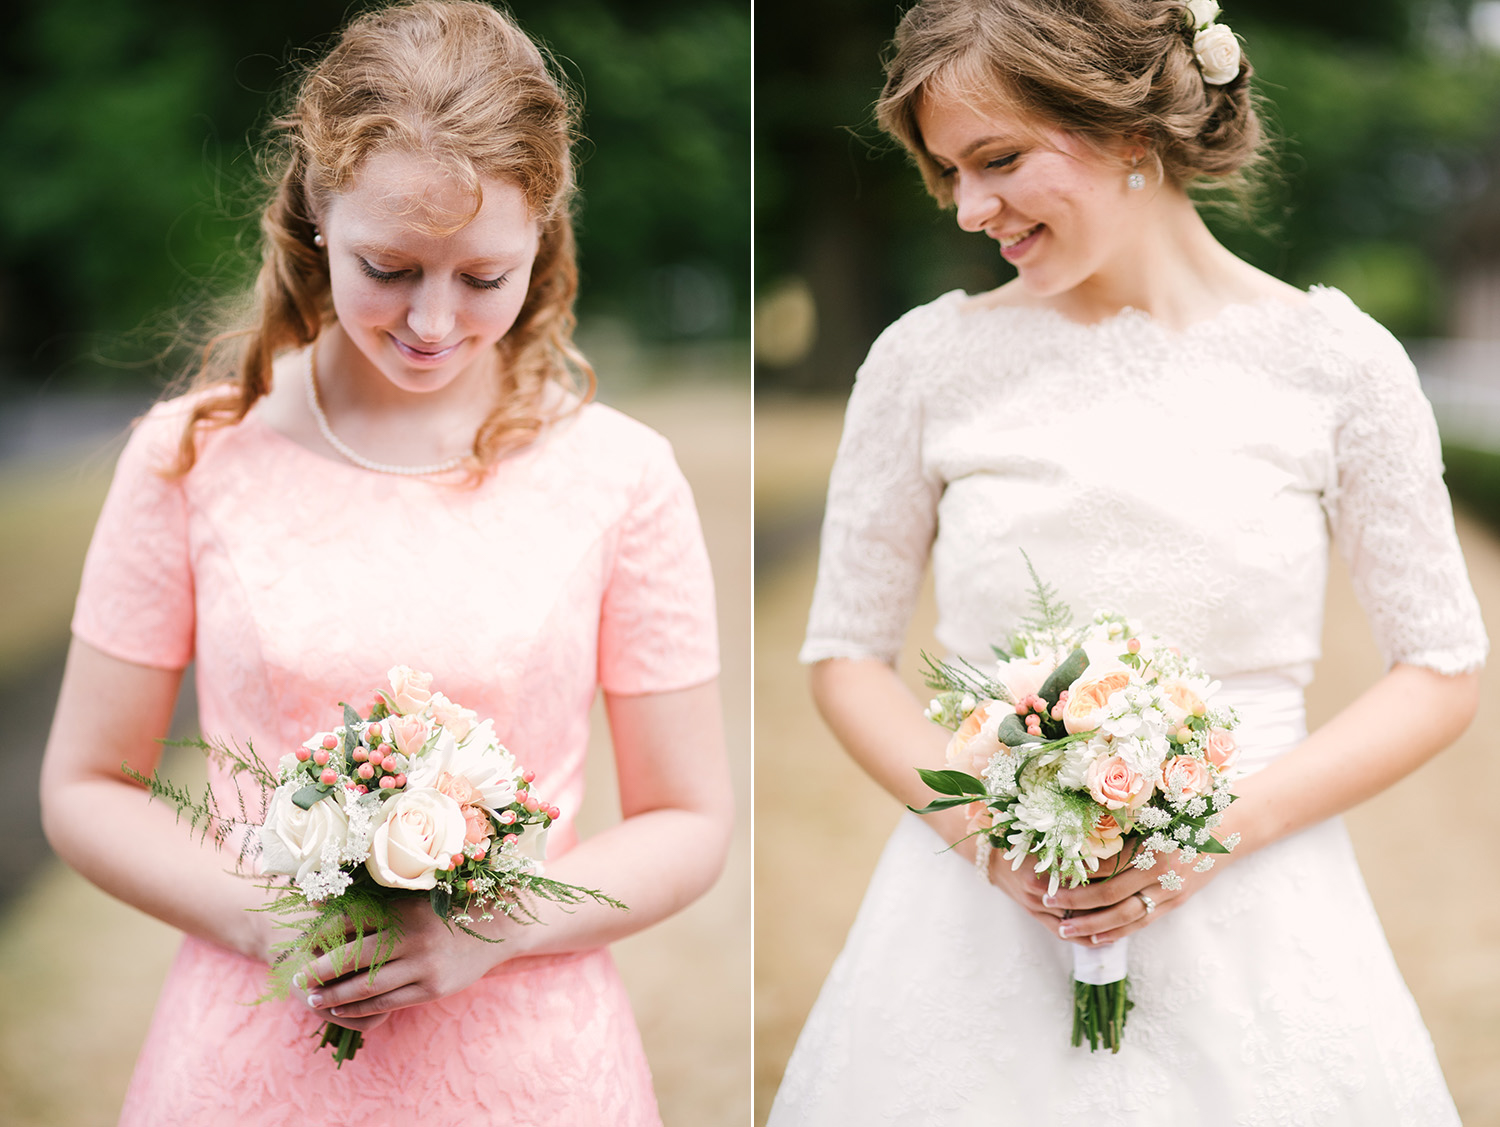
460 83
1101 70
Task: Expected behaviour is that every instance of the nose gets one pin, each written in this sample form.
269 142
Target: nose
431 315
975 204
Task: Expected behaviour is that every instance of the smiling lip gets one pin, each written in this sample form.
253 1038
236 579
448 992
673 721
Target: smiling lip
425 357
1015 250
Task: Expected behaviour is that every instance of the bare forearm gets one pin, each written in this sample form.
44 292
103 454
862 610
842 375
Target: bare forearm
137 851
880 724
1395 726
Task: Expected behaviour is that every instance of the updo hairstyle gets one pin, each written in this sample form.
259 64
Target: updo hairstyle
1101 70
457 82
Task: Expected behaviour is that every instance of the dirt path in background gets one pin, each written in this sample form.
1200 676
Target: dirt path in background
814 857
79 972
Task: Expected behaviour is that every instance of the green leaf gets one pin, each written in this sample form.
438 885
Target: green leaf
1213 845
310 795
441 901
952 782
942 804
1063 676
351 737
1012 732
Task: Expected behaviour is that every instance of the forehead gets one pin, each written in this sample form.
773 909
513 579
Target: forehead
953 125
403 194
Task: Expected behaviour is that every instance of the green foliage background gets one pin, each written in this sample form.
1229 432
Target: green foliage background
130 190
1387 111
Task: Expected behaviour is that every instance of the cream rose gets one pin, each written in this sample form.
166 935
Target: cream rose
974 744
458 720
292 839
410 690
1201 13
1183 777
1114 785
1105 839
533 843
420 830
1089 697
1223 751
1218 53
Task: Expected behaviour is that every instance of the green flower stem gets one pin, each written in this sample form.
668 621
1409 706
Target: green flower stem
346 1042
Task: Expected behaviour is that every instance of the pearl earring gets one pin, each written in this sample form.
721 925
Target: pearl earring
319 240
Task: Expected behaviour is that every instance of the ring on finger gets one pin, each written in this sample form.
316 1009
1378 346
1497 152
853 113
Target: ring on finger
1148 903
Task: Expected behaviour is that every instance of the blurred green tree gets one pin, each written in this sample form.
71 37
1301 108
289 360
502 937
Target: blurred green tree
1386 114
131 188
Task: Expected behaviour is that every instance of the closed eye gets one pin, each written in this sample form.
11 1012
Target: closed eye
486 283
1003 162
381 275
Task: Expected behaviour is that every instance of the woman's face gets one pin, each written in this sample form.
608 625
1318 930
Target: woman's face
423 308
1058 209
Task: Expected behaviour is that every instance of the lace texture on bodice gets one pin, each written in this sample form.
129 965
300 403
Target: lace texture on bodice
1189 479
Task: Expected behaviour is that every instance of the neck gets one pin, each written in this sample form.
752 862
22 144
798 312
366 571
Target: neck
1171 267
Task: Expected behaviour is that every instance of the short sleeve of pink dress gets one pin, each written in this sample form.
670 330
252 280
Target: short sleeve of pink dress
295 582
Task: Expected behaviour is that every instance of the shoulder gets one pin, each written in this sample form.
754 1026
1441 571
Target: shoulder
156 437
608 453
1349 333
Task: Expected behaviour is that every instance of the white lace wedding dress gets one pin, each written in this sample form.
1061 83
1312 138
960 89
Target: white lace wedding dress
1191 480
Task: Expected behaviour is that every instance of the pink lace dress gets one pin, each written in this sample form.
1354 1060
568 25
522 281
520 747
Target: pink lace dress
296 582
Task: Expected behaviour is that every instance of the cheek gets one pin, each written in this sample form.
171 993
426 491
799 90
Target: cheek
360 301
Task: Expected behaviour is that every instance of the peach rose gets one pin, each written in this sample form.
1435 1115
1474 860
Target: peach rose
1105 839
477 824
1183 777
410 690
408 733
971 749
1181 701
1222 750
1087 700
1113 784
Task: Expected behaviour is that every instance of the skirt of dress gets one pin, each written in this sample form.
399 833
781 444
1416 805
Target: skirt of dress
1269 998
547 1040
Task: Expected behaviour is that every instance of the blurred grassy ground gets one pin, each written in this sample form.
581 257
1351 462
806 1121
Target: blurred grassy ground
79 972
820 822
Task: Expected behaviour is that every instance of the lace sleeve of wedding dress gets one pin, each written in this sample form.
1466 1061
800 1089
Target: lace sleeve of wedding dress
881 512
1390 514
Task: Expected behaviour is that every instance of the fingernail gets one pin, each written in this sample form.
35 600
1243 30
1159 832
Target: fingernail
336 1012
315 1000
1065 932
1050 901
299 980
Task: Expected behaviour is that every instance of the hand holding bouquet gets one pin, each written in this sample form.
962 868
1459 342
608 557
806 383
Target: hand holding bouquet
418 798
1081 738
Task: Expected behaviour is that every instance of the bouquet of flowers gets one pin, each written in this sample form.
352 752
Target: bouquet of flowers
418 798
1081 737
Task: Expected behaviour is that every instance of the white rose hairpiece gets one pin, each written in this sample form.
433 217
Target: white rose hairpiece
1214 44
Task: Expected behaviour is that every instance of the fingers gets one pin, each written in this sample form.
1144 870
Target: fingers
363 1024
339 962
1101 893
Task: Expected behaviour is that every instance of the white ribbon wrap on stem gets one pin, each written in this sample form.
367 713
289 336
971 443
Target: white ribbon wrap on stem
1099 966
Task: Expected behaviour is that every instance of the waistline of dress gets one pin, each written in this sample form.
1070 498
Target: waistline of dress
1272 716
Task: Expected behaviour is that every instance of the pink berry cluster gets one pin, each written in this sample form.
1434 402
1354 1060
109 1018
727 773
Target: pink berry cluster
1031 709
373 761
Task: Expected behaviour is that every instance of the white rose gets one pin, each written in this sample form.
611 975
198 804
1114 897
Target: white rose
1024 677
489 768
410 690
420 829
1218 54
1201 13
292 839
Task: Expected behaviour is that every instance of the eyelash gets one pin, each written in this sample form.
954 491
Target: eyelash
396 275
994 165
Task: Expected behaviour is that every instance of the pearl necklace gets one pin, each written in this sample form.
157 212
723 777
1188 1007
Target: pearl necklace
350 455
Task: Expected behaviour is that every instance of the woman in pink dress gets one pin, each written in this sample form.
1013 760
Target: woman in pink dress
391 464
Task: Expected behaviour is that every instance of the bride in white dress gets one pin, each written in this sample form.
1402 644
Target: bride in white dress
1166 431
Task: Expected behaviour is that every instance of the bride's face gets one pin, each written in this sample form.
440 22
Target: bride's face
1057 207
423 308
